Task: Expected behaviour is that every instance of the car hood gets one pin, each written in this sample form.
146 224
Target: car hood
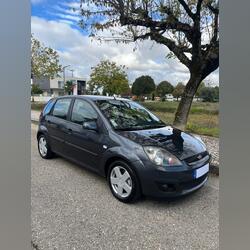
180 144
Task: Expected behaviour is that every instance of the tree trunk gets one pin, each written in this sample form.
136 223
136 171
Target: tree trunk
184 106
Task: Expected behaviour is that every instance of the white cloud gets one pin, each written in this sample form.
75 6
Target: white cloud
66 10
67 16
74 4
67 22
213 79
82 53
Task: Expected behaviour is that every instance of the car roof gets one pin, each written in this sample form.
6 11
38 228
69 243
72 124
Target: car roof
95 97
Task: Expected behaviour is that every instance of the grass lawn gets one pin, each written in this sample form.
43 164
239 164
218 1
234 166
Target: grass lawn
38 106
203 118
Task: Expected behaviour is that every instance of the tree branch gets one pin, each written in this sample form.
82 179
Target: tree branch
177 50
215 28
143 36
186 8
215 10
169 23
190 50
198 7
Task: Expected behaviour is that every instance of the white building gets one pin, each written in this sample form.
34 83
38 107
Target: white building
55 86
169 97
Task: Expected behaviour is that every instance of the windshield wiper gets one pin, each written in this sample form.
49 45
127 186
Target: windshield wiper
141 128
130 129
155 126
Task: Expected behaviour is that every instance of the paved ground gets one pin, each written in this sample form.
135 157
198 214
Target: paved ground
72 208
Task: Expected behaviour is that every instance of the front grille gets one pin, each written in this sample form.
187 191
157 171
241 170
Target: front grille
198 159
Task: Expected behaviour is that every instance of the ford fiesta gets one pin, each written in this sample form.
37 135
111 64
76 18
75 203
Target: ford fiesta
124 142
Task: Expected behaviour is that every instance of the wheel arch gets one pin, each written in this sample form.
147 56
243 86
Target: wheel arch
39 133
112 159
42 130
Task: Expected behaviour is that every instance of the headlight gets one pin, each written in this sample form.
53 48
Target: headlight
161 157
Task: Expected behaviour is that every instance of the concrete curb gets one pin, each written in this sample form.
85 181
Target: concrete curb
214 169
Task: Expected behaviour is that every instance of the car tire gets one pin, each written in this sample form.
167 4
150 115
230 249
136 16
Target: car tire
44 148
123 182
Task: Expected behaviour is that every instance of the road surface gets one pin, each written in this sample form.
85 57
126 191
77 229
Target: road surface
72 208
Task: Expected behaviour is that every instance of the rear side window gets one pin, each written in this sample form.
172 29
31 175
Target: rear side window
48 107
82 111
61 108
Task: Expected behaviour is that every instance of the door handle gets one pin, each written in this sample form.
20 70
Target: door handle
49 121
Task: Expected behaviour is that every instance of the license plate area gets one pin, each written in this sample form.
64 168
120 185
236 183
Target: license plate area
201 171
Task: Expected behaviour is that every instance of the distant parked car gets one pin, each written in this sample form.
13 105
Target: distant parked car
124 142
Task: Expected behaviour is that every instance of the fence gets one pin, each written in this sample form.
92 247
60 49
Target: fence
40 98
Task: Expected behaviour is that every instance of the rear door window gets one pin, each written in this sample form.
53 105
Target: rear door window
61 108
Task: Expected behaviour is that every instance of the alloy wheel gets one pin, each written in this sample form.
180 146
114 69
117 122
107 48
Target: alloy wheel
43 146
121 181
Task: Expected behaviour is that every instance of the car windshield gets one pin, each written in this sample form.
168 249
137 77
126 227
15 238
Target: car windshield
128 115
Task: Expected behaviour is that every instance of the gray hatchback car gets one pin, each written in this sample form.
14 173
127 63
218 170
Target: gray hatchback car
124 142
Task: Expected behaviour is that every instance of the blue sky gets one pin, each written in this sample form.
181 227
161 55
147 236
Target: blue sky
55 24
56 10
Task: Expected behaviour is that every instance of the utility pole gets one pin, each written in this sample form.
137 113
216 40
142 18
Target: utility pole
72 70
64 73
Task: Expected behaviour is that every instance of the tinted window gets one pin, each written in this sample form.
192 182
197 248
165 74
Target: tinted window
82 111
61 108
48 107
127 115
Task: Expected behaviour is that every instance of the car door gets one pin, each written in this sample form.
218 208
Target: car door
83 145
56 124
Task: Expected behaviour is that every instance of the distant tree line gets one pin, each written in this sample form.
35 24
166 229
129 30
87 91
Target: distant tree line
145 86
108 78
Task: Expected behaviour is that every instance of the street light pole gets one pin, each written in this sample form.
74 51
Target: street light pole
72 70
64 73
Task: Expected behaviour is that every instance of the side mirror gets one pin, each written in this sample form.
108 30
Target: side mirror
90 125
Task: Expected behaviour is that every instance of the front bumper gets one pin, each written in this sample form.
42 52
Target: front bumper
160 184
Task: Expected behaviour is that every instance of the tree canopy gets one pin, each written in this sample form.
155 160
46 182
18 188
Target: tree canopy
68 87
210 94
188 28
143 85
164 88
44 60
198 92
36 90
108 77
178 90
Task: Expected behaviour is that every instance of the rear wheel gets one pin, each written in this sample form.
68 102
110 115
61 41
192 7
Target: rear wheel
123 182
44 148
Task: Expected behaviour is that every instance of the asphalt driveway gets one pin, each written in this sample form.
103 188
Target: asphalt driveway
72 208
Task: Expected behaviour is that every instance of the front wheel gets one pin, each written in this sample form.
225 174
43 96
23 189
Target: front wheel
44 148
123 182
